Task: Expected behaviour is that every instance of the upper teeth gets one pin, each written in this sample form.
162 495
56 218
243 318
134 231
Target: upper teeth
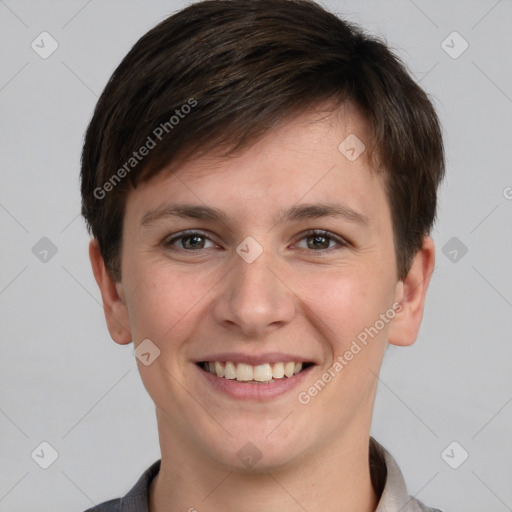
246 372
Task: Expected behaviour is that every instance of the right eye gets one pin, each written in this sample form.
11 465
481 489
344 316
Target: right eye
190 241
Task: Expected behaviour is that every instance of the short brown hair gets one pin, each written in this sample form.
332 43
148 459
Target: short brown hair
241 67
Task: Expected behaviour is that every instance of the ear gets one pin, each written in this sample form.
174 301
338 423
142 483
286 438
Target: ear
114 306
411 293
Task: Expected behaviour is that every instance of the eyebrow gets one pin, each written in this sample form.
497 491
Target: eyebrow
296 212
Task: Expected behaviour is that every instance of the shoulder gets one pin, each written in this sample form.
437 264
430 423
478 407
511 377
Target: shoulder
136 500
416 505
107 506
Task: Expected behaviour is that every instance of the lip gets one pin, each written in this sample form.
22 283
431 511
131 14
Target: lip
250 391
255 359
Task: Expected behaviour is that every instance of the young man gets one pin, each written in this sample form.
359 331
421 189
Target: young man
260 181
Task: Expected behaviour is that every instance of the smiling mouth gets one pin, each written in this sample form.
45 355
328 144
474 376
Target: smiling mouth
260 374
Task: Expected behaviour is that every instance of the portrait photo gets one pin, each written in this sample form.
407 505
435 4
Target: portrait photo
256 256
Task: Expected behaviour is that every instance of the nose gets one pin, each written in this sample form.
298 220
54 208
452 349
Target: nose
255 297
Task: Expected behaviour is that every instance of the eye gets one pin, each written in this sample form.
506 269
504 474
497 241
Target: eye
320 239
190 241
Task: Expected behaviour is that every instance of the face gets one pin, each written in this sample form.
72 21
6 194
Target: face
271 282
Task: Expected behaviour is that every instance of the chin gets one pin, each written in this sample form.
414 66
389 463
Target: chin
252 452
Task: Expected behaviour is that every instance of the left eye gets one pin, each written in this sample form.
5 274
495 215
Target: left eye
321 239
195 240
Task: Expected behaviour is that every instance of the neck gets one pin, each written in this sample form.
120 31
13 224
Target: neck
336 478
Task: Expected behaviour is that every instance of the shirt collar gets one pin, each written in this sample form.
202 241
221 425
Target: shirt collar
385 471
386 477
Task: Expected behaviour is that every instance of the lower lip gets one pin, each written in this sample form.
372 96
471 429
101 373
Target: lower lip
251 391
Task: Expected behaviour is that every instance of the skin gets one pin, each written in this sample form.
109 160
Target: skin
295 297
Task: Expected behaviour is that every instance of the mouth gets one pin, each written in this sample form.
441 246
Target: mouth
244 373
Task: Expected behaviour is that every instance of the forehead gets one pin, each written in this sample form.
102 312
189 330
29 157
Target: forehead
311 158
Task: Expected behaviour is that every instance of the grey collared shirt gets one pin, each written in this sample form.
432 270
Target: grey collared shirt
387 480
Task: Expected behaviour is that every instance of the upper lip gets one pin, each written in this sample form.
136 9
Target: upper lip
255 359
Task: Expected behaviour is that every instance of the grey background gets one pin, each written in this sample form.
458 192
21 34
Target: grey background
62 379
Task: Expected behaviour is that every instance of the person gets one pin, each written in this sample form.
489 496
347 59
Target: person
259 179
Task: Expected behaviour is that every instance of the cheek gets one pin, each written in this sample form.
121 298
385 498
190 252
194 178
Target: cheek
346 302
159 301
